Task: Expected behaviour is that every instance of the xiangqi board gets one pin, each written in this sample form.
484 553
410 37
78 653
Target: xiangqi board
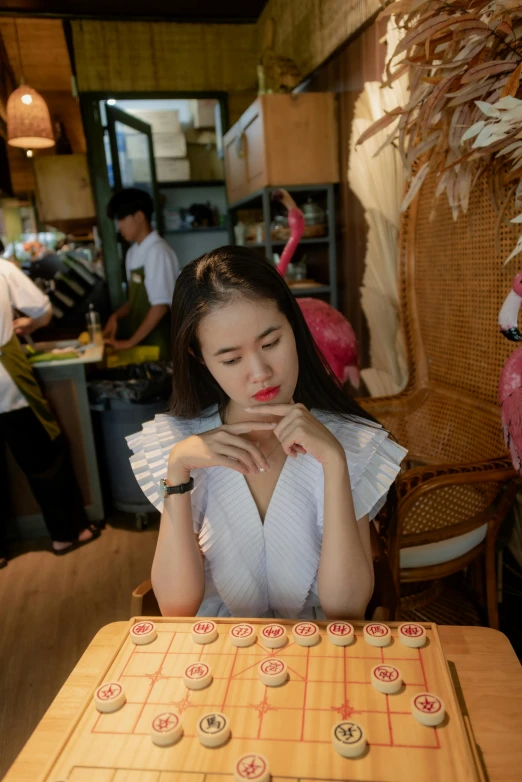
293 727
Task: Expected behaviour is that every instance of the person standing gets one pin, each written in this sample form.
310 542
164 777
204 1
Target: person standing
28 426
151 268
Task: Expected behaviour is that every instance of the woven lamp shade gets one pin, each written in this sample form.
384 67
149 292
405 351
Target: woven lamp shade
28 121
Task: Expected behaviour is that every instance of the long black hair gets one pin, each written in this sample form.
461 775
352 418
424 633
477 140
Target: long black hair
215 279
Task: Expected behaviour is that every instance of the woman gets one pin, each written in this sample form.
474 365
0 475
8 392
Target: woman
28 426
285 469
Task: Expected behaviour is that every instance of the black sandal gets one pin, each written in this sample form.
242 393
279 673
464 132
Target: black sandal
95 533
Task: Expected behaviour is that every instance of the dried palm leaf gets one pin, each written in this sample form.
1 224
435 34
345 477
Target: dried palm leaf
464 62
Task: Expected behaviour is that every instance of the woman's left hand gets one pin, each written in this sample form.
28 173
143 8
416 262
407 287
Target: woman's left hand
300 432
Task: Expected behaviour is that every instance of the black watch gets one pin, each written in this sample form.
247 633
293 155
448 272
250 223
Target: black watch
181 488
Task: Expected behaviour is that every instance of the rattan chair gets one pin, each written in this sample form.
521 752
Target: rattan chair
459 482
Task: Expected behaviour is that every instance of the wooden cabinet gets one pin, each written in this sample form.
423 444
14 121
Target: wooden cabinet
282 140
63 188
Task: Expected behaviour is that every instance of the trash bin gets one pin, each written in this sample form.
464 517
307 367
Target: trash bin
122 400
118 420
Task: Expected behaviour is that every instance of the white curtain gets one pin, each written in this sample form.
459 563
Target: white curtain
378 181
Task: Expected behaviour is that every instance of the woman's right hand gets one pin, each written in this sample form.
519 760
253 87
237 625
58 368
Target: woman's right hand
221 447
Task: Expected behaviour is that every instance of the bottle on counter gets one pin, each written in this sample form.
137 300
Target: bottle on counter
94 328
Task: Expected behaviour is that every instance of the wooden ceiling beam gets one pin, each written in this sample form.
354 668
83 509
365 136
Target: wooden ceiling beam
198 11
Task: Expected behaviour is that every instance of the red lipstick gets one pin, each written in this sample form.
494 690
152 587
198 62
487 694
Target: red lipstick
267 394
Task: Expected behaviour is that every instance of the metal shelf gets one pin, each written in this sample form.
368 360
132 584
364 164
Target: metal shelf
312 240
205 230
263 195
310 291
282 242
256 194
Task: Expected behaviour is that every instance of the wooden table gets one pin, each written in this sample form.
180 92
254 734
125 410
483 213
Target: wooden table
486 673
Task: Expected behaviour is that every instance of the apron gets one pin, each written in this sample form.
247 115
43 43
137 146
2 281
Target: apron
18 367
139 306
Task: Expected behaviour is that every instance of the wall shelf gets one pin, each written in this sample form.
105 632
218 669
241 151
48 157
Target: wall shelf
262 199
192 231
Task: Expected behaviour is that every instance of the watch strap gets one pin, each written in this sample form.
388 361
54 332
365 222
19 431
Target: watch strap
181 488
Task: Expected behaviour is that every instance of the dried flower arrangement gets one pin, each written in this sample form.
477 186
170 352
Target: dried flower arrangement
463 118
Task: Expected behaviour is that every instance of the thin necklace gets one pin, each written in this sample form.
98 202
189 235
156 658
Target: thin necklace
267 457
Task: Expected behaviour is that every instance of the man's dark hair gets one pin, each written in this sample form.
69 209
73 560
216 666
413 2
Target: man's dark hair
129 201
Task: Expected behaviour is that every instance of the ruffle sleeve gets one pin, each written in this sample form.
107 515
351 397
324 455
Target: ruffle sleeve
151 448
373 460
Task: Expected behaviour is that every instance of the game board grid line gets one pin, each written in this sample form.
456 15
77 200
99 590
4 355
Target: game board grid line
154 677
303 716
285 741
204 774
278 708
255 679
271 653
282 651
229 680
98 717
421 660
388 705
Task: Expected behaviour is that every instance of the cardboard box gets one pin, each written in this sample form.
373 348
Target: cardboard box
140 169
161 121
169 145
203 113
172 169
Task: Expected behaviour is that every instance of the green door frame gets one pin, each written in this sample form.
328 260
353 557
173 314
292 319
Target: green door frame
94 134
115 115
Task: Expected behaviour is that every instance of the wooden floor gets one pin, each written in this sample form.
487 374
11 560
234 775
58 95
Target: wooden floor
51 607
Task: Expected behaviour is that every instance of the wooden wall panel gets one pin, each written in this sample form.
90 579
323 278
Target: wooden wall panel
45 61
309 31
140 56
359 60
238 102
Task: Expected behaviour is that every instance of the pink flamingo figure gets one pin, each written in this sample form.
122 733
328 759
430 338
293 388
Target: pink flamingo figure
510 384
331 331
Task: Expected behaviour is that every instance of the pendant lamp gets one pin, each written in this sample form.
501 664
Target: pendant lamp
28 120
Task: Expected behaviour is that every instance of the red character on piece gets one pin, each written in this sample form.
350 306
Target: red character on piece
376 630
241 631
305 630
272 631
340 629
165 721
197 670
427 703
251 767
411 630
272 666
204 627
386 674
142 628
109 691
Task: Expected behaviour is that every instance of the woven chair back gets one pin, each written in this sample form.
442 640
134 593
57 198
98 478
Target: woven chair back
452 283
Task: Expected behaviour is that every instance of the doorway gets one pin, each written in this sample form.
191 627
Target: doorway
170 146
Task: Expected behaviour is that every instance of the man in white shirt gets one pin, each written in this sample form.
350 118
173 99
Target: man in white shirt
151 268
27 424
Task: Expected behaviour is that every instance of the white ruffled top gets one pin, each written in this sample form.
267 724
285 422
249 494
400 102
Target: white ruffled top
255 569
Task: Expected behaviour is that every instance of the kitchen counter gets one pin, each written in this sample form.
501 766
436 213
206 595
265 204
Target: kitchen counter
92 354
